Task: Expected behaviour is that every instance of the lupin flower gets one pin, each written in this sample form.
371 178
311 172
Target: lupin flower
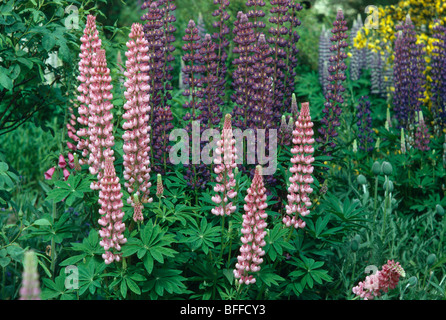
364 123
438 65
258 112
136 136
256 14
292 51
403 142
324 55
357 59
408 75
422 135
211 103
334 99
197 175
159 30
302 168
244 38
283 41
100 131
89 47
110 199
159 186
382 281
30 289
253 230
225 156
220 38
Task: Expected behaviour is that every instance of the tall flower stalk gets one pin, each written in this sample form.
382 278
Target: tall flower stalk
159 32
244 39
438 65
333 98
89 47
220 38
136 136
110 199
30 289
100 126
408 75
253 230
302 168
364 123
225 156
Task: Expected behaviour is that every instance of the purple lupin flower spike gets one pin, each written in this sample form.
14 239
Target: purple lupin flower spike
333 98
408 75
256 14
364 123
197 175
438 77
158 31
220 38
324 55
242 81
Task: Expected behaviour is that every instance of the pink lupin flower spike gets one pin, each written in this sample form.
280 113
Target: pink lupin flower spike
136 136
100 126
225 156
253 230
30 289
110 199
89 47
302 168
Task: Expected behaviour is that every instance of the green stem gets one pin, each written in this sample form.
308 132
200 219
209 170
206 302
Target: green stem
53 243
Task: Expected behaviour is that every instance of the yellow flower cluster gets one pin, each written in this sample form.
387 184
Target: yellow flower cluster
423 14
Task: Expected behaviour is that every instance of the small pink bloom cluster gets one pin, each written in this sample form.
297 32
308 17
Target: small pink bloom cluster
110 199
62 165
159 186
253 230
225 164
136 136
100 126
89 47
30 289
422 135
298 191
383 280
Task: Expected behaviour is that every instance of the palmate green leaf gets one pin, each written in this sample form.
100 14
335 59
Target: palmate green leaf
269 277
168 280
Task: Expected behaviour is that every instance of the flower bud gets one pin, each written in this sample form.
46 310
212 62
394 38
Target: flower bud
361 179
431 259
387 168
376 168
388 185
354 245
440 209
413 281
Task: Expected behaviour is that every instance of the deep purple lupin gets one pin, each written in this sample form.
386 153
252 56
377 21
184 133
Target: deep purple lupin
333 98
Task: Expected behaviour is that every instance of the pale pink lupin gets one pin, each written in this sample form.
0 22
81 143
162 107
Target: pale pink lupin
302 168
225 156
136 136
100 126
30 289
110 199
90 46
253 230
